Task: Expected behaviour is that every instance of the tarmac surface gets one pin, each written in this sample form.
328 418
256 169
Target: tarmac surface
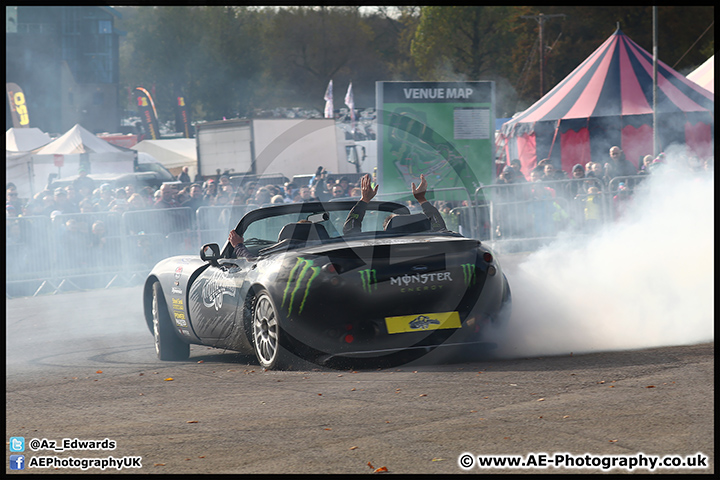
82 366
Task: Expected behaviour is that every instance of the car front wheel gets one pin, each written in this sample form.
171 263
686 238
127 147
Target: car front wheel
168 345
266 334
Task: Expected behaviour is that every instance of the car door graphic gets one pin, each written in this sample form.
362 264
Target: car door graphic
214 298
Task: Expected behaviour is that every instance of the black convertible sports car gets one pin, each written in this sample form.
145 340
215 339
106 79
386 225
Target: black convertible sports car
379 297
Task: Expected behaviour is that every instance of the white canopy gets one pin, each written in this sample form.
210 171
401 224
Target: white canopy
78 140
704 75
18 170
25 139
64 156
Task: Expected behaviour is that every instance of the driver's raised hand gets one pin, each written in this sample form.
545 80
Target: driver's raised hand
235 239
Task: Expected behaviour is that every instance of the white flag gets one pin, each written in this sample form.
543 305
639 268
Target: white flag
350 102
329 101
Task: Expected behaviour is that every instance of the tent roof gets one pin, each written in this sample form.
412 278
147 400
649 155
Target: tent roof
616 80
25 139
704 75
79 140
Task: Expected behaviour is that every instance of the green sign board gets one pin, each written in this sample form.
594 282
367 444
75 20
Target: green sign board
444 130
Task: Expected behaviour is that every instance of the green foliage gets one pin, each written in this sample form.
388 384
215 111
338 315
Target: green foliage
454 43
210 52
305 47
231 60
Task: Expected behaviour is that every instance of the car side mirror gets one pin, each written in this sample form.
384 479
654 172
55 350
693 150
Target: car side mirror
210 253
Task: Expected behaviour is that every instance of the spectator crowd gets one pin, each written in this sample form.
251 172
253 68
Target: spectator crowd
544 197
616 166
550 200
82 196
85 228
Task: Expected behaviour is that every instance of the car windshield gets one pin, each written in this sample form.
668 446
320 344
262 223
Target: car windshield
266 230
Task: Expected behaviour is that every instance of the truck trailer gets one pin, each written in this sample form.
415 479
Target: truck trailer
285 146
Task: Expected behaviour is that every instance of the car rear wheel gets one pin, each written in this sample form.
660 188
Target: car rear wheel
168 345
266 334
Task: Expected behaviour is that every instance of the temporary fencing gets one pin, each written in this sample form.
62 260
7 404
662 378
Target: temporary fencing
87 250
106 249
524 216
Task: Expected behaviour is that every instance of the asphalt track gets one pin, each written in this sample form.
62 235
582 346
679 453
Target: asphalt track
82 366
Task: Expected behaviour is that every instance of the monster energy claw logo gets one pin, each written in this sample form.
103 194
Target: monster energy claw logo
469 273
297 275
369 280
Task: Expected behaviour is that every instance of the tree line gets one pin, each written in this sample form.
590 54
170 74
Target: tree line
232 61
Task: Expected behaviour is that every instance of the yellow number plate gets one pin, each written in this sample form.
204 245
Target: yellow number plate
422 322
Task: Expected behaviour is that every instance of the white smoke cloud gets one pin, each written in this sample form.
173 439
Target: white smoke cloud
646 280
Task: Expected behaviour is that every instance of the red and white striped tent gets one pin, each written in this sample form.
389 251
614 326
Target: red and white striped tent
606 101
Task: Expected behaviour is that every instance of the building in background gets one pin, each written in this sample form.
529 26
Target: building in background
66 60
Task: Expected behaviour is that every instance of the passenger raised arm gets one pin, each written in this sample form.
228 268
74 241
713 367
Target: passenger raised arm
353 223
437 222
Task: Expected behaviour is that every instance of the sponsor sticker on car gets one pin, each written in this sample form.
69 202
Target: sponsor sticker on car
422 322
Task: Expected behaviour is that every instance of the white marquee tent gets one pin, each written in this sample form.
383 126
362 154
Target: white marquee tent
63 157
79 140
25 139
704 75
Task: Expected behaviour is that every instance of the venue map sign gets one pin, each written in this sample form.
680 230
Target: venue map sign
444 130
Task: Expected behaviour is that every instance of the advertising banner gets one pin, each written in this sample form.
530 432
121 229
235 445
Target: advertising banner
444 130
182 118
18 107
146 108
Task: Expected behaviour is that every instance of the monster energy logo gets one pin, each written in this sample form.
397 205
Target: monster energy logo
369 280
469 273
298 274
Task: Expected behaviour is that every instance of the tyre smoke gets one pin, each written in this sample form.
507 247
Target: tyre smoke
644 281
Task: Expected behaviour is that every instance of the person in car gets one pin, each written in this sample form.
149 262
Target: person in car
238 244
353 222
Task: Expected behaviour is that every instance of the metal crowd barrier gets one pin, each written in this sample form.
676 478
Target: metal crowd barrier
45 255
525 216
91 250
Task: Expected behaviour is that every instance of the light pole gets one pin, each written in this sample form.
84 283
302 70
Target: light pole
655 73
541 19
